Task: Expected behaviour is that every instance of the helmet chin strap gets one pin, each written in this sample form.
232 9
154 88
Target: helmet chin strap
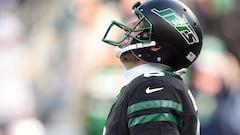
119 51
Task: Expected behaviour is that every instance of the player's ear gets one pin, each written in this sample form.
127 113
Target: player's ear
156 48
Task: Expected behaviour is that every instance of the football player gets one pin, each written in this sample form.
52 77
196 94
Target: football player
156 48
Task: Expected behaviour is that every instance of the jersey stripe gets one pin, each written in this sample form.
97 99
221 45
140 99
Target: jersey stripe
155 118
154 104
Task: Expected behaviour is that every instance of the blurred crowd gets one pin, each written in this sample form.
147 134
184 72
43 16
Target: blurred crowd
58 78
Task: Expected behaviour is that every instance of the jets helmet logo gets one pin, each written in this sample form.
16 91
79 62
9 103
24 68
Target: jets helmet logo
181 24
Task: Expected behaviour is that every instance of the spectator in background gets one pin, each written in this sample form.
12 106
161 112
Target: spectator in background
16 97
29 126
215 81
211 13
86 58
215 77
220 18
230 30
84 34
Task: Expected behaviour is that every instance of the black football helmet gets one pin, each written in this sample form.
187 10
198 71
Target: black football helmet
167 23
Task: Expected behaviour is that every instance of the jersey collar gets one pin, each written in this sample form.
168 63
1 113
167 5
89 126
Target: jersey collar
133 73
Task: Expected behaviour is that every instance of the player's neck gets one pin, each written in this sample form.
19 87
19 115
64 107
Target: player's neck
130 65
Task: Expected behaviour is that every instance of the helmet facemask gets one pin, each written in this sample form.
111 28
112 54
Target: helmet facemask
143 27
